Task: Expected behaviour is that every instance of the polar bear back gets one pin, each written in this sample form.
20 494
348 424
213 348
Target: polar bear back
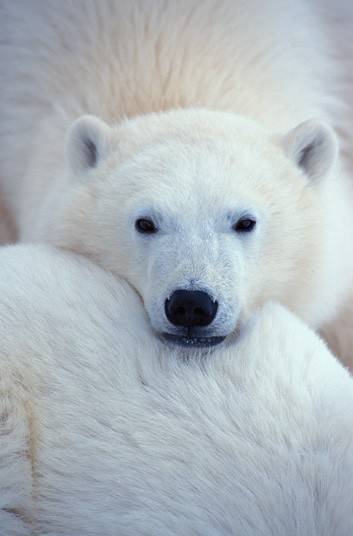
128 437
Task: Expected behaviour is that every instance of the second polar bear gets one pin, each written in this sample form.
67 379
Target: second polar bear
198 175
104 430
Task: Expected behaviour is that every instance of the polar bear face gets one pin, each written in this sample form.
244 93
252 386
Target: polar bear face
205 214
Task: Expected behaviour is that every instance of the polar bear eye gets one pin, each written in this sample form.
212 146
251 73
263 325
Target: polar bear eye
245 225
145 226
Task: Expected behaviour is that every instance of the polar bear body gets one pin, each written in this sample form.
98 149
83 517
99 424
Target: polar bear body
108 431
199 106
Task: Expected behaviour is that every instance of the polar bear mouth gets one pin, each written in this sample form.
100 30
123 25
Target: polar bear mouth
193 342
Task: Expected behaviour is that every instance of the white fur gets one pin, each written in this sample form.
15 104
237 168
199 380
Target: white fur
192 168
109 432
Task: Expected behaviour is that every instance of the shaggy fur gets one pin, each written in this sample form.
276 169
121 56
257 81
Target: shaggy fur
193 170
110 432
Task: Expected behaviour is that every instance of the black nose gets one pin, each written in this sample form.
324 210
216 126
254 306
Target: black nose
190 308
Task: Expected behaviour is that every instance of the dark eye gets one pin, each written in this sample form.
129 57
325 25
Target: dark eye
145 226
244 225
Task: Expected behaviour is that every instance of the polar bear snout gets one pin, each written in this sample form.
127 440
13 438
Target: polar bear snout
191 312
190 308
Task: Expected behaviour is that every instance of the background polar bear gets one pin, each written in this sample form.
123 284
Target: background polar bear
208 214
104 430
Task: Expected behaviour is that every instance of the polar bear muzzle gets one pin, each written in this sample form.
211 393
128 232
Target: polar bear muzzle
191 310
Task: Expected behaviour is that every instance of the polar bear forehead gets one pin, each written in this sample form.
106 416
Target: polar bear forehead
189 126
199 158
198 148
196 161
202 166
311 146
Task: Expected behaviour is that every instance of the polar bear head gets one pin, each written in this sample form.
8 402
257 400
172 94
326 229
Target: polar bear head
206 214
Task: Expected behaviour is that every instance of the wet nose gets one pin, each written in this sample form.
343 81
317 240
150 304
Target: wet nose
190 308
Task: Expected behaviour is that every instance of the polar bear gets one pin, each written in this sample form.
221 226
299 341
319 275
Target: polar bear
106 430
175 143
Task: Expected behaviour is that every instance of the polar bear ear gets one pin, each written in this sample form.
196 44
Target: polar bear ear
313 146
87 143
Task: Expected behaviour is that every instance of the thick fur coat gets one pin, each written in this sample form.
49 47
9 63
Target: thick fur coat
106 430
240 77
